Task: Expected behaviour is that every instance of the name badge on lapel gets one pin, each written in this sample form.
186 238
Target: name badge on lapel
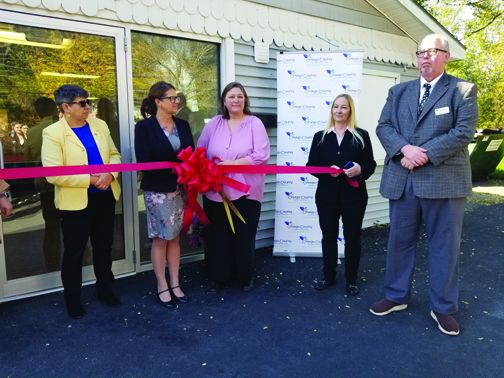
441 111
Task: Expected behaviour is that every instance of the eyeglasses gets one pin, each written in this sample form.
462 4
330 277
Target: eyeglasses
173 99
430 52
82 103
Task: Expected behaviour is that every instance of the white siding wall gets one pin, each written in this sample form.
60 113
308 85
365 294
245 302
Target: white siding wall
260 83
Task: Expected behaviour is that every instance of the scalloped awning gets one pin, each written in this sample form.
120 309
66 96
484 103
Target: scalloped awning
239 19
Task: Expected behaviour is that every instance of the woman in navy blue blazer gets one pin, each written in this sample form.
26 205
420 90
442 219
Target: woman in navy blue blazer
341 145
159 137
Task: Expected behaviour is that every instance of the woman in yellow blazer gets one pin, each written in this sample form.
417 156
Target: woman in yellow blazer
86 202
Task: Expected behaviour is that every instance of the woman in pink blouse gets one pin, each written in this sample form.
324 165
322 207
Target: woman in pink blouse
236 137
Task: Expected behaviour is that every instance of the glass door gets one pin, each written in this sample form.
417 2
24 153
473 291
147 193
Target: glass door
192 67
37 55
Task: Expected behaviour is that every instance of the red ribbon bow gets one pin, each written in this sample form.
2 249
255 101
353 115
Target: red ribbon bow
198 174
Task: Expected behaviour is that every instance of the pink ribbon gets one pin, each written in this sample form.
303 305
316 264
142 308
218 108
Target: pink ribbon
68 170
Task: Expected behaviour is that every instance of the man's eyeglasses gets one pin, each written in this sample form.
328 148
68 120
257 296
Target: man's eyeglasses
82 103
429 52
173 99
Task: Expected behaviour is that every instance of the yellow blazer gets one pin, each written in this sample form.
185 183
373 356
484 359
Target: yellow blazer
3 186
60 146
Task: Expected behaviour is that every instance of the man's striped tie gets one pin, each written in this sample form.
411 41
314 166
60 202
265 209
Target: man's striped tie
425 96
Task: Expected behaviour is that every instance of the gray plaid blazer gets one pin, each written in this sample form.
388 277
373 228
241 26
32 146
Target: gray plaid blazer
444 128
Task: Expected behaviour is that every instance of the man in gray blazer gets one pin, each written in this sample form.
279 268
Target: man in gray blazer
425 127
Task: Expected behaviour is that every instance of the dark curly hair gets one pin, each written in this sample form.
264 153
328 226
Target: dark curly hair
67 93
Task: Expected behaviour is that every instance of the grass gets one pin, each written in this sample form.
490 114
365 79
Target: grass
499 171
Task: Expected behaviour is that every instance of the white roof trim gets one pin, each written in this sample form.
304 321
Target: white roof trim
415 22
239 19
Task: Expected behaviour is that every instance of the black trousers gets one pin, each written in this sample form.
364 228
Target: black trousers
231 256
52 231
95 222
351 211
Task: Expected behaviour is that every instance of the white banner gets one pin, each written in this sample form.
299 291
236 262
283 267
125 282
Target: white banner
307 83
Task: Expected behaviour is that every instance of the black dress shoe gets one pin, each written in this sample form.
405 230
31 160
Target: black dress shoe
167 304
249 286
75 309
323 284
108 297
182 299
352 289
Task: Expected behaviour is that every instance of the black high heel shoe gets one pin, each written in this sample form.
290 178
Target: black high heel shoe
182 299
168 304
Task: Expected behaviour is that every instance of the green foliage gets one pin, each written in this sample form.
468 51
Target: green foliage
499 171
480 26
22 71
190 66
89 61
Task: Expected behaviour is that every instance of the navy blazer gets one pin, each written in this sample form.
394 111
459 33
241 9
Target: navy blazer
327 152
151 144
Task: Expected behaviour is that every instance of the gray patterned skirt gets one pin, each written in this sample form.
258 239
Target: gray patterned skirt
165 212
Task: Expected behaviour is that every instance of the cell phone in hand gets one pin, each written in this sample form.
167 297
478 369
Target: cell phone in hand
349 165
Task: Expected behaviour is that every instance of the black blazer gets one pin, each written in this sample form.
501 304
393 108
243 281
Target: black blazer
330 153
151 144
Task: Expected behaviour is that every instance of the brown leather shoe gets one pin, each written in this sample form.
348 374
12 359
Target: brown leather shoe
446 323
385 307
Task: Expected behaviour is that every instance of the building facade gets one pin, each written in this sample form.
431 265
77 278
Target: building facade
117 48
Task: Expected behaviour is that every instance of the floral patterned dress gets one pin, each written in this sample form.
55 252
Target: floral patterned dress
164 214
165 211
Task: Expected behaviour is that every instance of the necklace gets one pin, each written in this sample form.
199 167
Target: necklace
165 126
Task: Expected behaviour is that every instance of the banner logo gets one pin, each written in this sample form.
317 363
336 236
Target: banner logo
306 240
300 76
281 183
318 58
295 137
297 227
305 150
282 242
285 92
306 211
342 75
315 92
308 181
311 122
285 153
293 105
348 89
283 212
285 123
292 196
353 59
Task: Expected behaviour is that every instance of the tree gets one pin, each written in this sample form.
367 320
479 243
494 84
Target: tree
479 25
